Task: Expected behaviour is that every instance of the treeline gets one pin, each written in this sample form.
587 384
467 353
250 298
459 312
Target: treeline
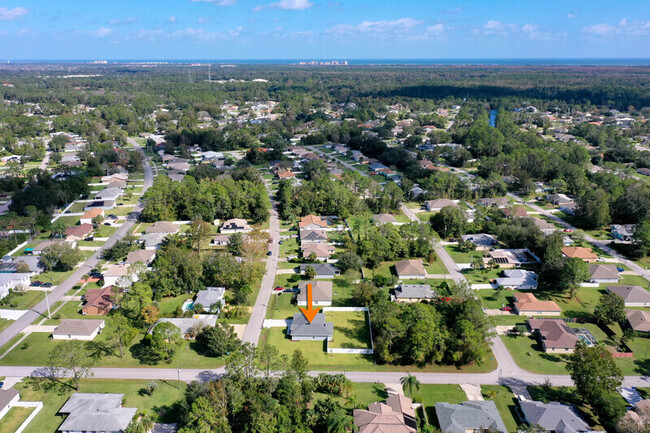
45 193
240 194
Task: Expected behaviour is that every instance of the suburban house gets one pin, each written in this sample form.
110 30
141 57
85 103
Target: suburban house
394 416
518 279
515 212
78 233
100 204
38 249
482 241
318 329
623 232
142 256
413 293
152 241
211 298
115 272
220 240
554 335
512 258
322 251
546 227
117 183
187 325
321 293
96 413
162 227
569 208
323 270
115 176
558 199
235 225
553 417
470 417
527 304
8 397
584 254
78 329
634 296
9 282
384 218
98 302
285 174
410 269
313 236
438 204
603 274
108 194
11 265
639 320
87 218
498 202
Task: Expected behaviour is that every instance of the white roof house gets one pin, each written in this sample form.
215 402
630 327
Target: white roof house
12 281
518 279
95 413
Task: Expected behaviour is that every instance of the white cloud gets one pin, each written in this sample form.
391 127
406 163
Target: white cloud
172 19
206 36
533 31
122 21
636 28
435 30
494 27
287 5
399 25
530 28
217 2
623 22
12 14
102 32
203 20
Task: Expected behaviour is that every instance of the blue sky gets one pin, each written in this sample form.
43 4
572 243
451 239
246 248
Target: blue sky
323 29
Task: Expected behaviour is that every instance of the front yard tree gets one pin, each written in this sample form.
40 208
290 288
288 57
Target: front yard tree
199 232
349 260
310 272
574 271
610 309
60 257
236 244
597 379
593 209
123 332
450 221
409 384
218 340
165 340
70 359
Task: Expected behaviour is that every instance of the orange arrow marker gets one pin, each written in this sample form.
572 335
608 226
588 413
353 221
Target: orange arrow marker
308 312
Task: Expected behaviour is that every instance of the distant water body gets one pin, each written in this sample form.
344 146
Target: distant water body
396 62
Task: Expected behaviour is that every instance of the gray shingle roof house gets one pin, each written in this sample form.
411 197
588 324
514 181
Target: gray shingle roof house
394 416
152 241
7 398
108 194
438 204
323 270
78 329
96 413
469 416
185 324
413 292
165 227
518 279
144 256
555 417
634 296
210 297
318 329
639 320
313 235
481 240
384 218
603 274
321 292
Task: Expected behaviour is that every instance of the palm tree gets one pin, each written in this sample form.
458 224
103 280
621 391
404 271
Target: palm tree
340 422
409 383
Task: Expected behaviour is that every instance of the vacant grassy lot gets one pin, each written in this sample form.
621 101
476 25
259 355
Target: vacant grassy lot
351 329
14 418
160 406
463 257
22 300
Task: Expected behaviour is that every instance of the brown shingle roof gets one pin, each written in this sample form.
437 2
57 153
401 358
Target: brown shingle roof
320 290
639 320
311 219
162 227
579 253
100 298
79 231
555 333
143 256
410 267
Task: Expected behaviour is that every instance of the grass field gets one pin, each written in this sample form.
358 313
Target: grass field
22 300
160 406
14 418
461 257
506 404
351 329
429 395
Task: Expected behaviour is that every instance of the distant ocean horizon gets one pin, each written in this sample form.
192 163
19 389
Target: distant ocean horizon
383 62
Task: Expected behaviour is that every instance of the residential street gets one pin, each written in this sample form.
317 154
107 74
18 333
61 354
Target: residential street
254 327
40 310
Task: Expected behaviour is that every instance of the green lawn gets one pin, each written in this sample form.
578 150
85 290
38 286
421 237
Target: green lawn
320 360
429 395
169 305
387 269
22 300
14 418
289 247
424 216
506 403
461 257
104 231
350 329
482 276
160 406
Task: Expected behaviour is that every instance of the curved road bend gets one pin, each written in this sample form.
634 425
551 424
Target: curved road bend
40 310
254 326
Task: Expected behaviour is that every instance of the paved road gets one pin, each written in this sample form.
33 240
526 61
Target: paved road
334 156
40 310
598 243
450 264
254 326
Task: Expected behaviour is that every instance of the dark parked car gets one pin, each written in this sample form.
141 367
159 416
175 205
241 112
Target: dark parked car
46 285
36 283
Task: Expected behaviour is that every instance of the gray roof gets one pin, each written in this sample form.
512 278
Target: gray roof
210 296
96 413
469 415
300 327
631 293
313 235
152 239
6 395
34 262
320 290
321 268
603 272
554 416
144 256
414 291
185 325
108 193
84 327
481 239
